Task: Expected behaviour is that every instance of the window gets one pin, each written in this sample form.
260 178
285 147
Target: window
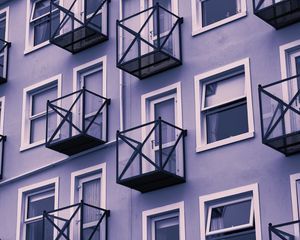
208 14
232 214
38 33
221 95
35 109
164 103
3 36
89 185
33 200
164 223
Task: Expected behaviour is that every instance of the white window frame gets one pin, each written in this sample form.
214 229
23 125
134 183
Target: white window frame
29 35
22 203
163 213
197 26
148 99
76 176
199 80
203 200
2 112
26 109
6 11
294 178
224 230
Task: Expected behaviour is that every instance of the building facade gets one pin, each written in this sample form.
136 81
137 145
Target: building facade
149 119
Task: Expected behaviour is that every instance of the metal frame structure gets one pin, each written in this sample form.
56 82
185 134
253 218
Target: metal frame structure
279 14
286 140
158 58
159 177
281 234
51 216
83 34
2 142
82 141
5 50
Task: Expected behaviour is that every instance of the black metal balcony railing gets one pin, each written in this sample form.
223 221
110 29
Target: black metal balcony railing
151 156
2 142
149 42
4 53
280 115
76 30
279 14
285 231
86 222
77 122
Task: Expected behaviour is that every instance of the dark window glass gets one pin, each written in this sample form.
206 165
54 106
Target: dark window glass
34 231
227 122
167 229
216 10
39 203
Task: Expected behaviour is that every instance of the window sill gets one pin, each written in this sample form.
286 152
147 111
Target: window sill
241 137
25 147
199 30
37 47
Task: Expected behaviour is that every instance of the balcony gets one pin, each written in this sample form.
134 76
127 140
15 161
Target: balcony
278 14
80 221
280 115
77 122
4 53
285 231
2 141
151 156
78 30
149 42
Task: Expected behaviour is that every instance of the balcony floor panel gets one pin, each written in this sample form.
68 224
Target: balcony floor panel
288 144
80 39
151 63
75 144
151 181
281 14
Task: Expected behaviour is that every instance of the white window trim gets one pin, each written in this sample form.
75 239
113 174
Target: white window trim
2 102
224 230
174 87
144 5
160 210
197 27
28 33
200 145
228 193
6 11
25 134
99 61
22 192
295 201
100 168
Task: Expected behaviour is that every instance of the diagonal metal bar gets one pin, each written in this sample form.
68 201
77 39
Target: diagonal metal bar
278 233
97 225
273 117
170 33
95 116
95 13
173 149
61 233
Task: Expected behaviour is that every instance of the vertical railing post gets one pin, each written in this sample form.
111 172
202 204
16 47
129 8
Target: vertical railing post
83 109
160 143
50 23
270 231
261 113
158 24
47 115
84 11
43 225
117 37
180 40
139 53
117 155
81 220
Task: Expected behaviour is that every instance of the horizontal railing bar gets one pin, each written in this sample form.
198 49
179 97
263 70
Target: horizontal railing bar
280 81
284 224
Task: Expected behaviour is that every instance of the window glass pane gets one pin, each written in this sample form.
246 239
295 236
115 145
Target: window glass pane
1 65
41 8
41 32
166 110
91 195
231 215
225 123
2 26
39 203
216 10
165 18
224 90
39 100
92 6
167 229
34 231
38 127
